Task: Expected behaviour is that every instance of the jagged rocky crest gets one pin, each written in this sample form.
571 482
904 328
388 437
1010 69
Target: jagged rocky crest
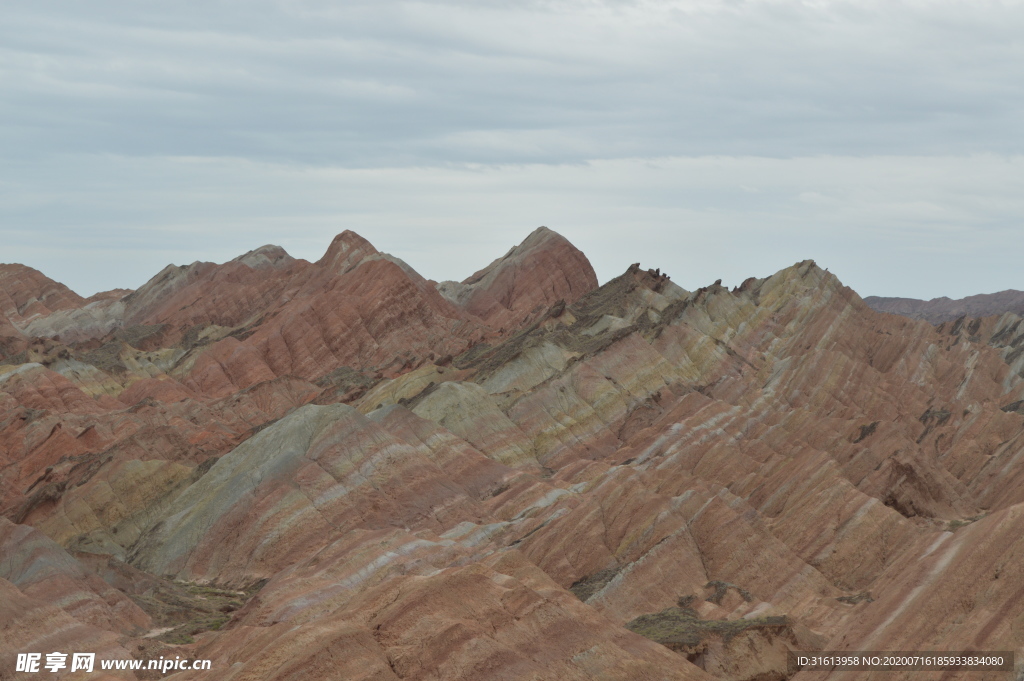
342 470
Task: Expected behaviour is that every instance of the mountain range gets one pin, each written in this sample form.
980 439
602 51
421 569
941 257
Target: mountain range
342 470
938 310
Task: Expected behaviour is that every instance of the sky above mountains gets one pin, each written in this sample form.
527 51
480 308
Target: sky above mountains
710 139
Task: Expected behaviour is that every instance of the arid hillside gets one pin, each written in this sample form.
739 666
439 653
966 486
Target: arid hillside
341 470
938 310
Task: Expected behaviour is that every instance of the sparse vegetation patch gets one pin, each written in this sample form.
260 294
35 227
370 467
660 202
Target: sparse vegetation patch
682 629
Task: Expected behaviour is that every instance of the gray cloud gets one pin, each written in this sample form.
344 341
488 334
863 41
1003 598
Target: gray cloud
388 83
713 139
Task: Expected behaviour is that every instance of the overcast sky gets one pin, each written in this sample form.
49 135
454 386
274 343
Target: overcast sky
713 139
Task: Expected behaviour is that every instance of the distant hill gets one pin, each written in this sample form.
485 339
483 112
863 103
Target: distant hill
938 310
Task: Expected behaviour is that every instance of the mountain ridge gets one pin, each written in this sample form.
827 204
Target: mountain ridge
769 468
943 309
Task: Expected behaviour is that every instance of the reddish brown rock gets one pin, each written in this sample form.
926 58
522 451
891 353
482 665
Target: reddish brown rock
42 570
12 341
515 289
26 293
372 606
514 484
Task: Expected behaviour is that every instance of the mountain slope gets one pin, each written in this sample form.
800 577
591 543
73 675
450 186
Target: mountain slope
938 310
515 289
754 470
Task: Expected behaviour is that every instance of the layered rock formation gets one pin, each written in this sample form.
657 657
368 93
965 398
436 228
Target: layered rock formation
515 289
938 310
26 293
523 476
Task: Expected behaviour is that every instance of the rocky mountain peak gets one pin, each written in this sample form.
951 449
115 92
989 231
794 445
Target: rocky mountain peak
532 276
266 256
26 292
346 252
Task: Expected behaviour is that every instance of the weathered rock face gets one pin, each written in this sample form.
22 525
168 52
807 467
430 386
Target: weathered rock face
12 341
938 310
42 570
26 293
514 290
380 479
